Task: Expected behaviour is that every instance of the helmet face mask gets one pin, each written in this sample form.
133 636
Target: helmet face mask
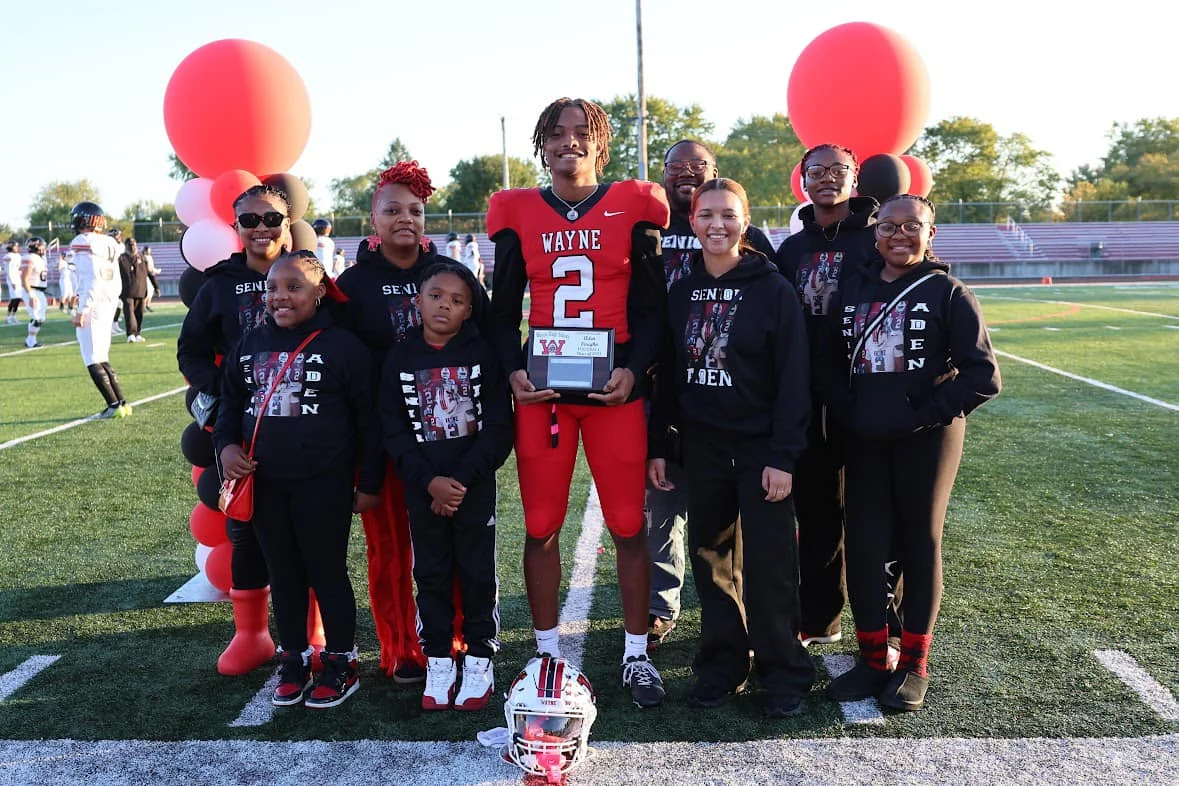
549 711
37 245
87 216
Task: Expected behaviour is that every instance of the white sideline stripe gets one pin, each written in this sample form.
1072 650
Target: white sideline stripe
64 426
69 343
855 713
946 761
1087 381
12 681
574 620
259 711
1082 305
1137 679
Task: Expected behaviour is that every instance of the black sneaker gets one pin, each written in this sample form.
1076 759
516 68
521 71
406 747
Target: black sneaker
409 673
642 678
708 695
657 631
783 705
860 682
338 680
294 678
905 691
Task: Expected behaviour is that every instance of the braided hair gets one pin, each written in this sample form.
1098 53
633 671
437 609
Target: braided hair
595 117
262 189
410 174
319 275
835 148
929 255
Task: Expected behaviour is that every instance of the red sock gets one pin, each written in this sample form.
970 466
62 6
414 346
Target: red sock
873 647
915 652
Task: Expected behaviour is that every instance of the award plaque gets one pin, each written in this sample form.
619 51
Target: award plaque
570 360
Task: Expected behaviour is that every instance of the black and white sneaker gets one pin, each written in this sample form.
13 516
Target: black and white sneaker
641 677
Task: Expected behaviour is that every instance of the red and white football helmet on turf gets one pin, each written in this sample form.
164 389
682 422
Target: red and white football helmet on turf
549 710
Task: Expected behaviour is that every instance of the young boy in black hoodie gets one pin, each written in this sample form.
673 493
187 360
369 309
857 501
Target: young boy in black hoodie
740 396
447 419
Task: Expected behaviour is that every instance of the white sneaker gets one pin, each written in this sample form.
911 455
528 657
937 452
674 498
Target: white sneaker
440 677
478 684
116 330
12 320
131 339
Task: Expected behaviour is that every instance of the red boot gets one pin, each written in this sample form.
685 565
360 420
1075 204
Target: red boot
251 645
315 636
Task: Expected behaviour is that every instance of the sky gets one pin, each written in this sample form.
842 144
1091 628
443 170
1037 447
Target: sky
85 90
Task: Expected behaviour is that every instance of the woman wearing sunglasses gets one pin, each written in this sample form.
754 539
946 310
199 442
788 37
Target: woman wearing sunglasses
905 358
229 305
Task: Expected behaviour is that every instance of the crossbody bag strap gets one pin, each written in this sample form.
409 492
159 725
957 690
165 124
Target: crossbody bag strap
274 386
884 312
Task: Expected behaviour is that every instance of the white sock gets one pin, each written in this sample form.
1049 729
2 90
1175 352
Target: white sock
636 645
548 641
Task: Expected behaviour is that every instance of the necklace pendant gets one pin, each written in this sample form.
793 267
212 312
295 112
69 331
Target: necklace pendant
572 214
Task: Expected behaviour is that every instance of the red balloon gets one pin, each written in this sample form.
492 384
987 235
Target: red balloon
227 187
922 178
196 474
207 525
861 86
796 183
237 104
218 569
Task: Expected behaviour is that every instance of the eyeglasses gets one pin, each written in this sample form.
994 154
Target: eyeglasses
911 228
694 165
818 171
271 219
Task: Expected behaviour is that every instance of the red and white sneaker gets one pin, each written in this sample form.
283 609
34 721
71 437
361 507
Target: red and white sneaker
441 674
478 684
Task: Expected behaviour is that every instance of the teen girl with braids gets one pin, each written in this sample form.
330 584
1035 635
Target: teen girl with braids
836 236
381 288
316 461
590 255
905 358
227 307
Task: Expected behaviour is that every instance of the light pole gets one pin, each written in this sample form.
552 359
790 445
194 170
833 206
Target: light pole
642 129
503 134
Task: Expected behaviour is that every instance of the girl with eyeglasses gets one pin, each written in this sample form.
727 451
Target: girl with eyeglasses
229 305
836 237
905 358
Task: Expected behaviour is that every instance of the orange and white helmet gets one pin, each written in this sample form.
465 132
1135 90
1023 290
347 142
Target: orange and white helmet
549 710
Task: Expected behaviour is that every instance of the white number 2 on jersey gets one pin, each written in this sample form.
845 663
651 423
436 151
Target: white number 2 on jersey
573 293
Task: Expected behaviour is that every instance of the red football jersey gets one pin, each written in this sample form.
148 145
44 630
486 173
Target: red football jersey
579 271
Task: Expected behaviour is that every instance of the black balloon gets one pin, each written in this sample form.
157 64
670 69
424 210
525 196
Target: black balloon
190 283
209 487
296 192
197 445
302 236
882 176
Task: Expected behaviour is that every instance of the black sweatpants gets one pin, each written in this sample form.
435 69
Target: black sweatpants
133 315
818 505
897 492
462 547
302 525
724 484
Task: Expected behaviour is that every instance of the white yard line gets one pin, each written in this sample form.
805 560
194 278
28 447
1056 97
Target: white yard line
258 711
12 681
575 614
855 713
1095 383
1136 678
64 426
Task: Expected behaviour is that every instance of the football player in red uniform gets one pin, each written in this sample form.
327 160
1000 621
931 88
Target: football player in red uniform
589 253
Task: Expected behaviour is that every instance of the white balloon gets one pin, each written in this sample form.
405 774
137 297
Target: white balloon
795 220
202 556
207 242
194 202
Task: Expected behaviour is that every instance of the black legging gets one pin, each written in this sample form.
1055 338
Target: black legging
897 492
302 525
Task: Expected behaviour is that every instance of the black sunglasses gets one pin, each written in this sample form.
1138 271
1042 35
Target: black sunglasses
271 219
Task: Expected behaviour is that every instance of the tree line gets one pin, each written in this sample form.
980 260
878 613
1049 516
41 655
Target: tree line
971 162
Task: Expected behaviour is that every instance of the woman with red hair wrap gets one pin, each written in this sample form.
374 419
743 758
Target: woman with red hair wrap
381 287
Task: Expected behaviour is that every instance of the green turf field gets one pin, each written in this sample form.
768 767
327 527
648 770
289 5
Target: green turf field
1060 541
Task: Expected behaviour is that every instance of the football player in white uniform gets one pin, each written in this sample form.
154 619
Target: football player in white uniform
96 259
35 281
15 291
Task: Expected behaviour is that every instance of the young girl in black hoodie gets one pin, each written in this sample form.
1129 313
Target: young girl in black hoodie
907 357
318 429
447 418
740 397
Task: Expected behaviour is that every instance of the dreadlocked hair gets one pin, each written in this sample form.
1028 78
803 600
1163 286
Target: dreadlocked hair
262 189
595 118
835 148
318 273
932 216
410 174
